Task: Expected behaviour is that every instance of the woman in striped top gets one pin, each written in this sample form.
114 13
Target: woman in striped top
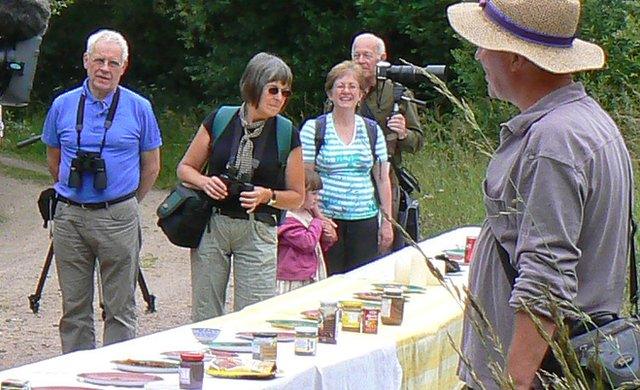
353 179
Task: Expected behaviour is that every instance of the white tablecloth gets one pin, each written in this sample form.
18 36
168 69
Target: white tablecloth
388 360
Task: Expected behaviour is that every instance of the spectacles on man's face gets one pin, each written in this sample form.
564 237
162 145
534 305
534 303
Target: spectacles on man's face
365 55
100 62
274 91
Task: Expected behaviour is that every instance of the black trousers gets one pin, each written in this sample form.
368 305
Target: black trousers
357 245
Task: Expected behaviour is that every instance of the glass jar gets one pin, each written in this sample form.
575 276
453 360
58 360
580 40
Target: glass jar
352 316
306 341
191 371
328 322
392 306
370 320
265 346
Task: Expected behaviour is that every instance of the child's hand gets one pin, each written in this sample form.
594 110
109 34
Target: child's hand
329 229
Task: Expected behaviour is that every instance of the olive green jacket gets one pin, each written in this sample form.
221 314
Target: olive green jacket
380 104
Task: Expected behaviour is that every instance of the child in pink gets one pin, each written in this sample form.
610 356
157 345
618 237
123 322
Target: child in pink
302 238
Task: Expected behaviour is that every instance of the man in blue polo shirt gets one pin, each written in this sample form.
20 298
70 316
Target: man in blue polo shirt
103 152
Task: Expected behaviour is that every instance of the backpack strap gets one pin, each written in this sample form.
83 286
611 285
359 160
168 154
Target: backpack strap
284 128
318 138
370 124
372 134
222 119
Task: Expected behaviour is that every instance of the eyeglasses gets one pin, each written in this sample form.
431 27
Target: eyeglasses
113 64
366 55
274 91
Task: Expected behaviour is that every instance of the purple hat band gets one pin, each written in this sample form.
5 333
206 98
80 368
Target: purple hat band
502 20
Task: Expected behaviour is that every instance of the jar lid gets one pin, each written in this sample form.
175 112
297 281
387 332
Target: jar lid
191 356
351 304
328 303
310 330
265 335
393 291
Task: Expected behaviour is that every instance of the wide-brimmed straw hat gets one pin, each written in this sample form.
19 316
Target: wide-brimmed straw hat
543 31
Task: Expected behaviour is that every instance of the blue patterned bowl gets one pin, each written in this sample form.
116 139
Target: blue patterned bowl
205 335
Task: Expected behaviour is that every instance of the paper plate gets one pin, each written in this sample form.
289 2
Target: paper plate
311 314
283 337
149 366
231 346
406 288
118 378
455 254
375 296
291 324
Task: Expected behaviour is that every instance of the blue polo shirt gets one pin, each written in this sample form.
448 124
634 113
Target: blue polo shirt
134 130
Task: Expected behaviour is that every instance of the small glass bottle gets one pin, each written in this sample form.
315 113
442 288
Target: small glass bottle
370 320
328 322
352 316
392 306
191 371
265 346
306 341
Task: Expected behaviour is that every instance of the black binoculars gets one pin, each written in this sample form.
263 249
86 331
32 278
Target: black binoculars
90 162
234 185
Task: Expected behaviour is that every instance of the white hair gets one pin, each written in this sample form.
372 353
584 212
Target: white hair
108 36
379 42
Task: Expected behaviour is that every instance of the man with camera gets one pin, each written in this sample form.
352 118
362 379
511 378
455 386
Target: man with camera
401 127
103 152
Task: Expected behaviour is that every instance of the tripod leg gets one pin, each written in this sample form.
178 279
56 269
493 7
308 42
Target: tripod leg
150 299
34 299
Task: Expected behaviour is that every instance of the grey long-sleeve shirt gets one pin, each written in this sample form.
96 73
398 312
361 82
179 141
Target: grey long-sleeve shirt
556 195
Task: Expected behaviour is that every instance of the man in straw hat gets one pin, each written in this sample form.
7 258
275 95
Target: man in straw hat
557 190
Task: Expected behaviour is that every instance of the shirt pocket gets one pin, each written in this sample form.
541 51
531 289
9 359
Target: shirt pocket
502 215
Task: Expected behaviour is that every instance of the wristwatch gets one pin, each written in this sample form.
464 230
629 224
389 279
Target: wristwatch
272 201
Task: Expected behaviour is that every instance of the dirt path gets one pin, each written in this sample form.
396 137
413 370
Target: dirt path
26 337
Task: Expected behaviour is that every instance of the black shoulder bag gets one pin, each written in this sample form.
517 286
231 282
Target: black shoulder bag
607 346
185 213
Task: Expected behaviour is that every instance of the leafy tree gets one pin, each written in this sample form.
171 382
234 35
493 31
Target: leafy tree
615 26
156 65
311 36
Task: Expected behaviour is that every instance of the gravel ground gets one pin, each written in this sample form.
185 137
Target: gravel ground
26 337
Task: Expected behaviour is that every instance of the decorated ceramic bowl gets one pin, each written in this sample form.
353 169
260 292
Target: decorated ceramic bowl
205 335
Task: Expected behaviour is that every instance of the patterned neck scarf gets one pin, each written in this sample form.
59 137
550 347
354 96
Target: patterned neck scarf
244 158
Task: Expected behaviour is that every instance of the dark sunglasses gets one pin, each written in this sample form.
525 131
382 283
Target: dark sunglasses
274 91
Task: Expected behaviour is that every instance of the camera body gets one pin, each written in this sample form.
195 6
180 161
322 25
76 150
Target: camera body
406 74
234 185
90 162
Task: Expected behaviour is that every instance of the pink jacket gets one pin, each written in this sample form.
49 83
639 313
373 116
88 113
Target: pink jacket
297 259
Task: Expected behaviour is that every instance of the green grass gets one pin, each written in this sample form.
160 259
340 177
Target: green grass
24 174
451 188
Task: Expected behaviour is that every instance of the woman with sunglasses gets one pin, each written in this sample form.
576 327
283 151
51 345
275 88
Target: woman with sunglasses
352 172
249 187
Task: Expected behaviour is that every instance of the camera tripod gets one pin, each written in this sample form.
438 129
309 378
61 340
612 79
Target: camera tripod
34 299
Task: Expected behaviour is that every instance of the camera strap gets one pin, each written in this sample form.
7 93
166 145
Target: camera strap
107 122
